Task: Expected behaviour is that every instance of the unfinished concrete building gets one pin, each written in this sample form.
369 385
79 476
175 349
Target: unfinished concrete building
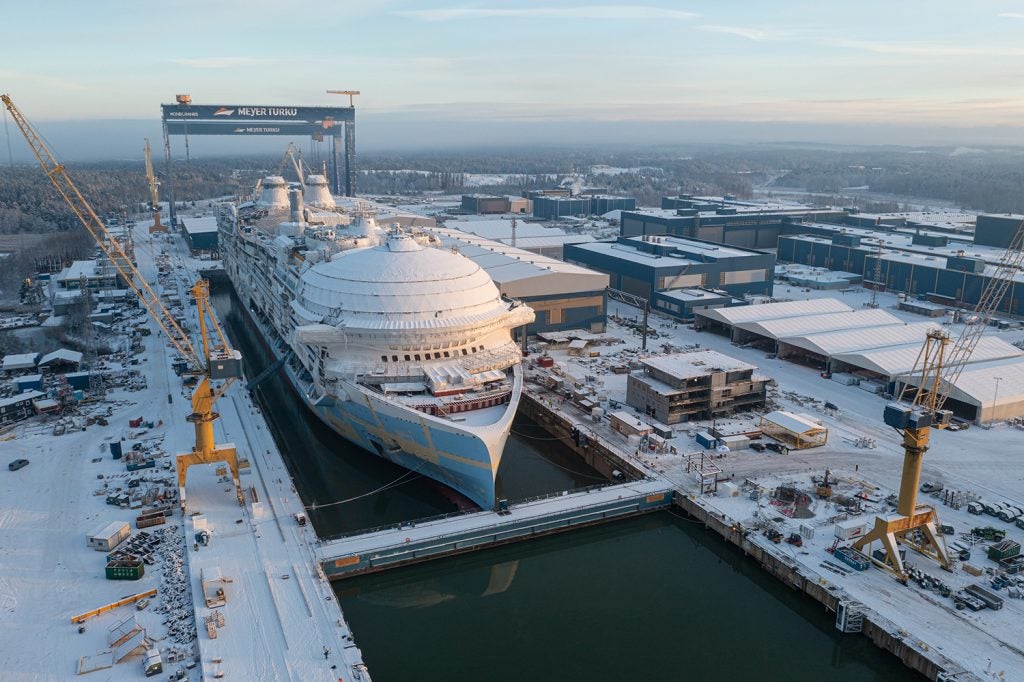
690 386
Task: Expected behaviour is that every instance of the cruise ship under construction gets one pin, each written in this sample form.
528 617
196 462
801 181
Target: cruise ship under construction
401 346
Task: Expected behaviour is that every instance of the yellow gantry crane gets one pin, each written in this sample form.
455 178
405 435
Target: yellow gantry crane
938 366
218 362
154 198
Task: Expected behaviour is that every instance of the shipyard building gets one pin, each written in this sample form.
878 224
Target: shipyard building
678 275
533 237
871 349
932 267
694 386
488 204
752 225
562 295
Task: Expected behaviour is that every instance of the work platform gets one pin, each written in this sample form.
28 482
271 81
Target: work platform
408 543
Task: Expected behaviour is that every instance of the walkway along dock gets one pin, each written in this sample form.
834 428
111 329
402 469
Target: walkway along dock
408 543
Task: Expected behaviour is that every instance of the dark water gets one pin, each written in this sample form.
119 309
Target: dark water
655 596
327 469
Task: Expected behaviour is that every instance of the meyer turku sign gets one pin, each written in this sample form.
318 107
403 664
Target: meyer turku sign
244 120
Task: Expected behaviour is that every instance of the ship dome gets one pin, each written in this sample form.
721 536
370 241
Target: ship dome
274 193
317 193
399 284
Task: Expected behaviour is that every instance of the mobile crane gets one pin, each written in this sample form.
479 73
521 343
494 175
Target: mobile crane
939 364
218 362
154 199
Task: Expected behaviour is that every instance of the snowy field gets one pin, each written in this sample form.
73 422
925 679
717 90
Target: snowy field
280 615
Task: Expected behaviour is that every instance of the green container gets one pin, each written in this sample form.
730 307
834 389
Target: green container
124 570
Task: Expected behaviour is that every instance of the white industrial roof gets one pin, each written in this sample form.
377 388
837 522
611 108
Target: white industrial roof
774 311
895 360
809 324
976 385
14 400
848 340
20 361
200 225
502 229
61 354
687 365
792 422
520 273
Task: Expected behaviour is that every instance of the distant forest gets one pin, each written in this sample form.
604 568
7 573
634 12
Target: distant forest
978 180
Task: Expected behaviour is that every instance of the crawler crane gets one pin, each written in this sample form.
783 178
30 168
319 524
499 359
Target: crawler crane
218 361
938 366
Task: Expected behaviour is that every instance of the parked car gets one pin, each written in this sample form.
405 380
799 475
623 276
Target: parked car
18 464
757 447
931 487
777 447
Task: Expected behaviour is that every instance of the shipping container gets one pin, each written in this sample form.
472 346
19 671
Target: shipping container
125 569
107 537
850 528
1003 550
852 558
991 600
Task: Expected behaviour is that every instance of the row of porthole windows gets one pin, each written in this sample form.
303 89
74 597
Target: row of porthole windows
418 357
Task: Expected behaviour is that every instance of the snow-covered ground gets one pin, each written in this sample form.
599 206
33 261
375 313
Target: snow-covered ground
274 627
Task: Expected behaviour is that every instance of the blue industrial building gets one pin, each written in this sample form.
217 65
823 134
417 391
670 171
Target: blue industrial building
953 274
549 207
645 266
996 230
750 225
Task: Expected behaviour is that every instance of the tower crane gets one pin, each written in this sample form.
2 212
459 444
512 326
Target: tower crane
217 362
939 364
154 199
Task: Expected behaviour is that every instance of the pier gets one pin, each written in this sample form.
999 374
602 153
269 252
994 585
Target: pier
413 542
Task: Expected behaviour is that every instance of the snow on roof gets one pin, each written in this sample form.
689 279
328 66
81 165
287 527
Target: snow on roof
794 423
21 397
690 295
977 383
20 361
61 355
200 225
809 324
502 229
774 311
858 339
77 270
895 360
688 365
28 378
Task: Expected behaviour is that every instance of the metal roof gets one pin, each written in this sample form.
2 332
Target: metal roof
809 324
896 360
774 311
976 385
793 423
856 339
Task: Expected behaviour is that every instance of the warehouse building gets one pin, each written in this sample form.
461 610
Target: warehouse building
200 233
996 230
533 237
683 304
551 207
797 431
643 266
751 225
485 203
987 391
692 386
950 274
563 296
18 407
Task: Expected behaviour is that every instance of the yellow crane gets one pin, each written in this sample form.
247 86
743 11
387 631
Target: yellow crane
154 199
350 93
218 361
939 364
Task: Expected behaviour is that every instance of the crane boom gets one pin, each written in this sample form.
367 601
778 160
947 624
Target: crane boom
154 197
110 247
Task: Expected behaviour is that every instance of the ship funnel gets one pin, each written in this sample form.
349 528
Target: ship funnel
274 193
318 194
295 203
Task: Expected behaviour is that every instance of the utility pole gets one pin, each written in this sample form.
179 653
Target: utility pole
995 397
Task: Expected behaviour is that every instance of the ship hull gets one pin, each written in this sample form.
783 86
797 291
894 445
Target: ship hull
461 459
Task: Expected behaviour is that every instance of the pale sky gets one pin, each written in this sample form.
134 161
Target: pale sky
907 62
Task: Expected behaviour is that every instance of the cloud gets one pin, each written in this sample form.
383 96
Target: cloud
746 32
1011 15
620 12
929 50
222 62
